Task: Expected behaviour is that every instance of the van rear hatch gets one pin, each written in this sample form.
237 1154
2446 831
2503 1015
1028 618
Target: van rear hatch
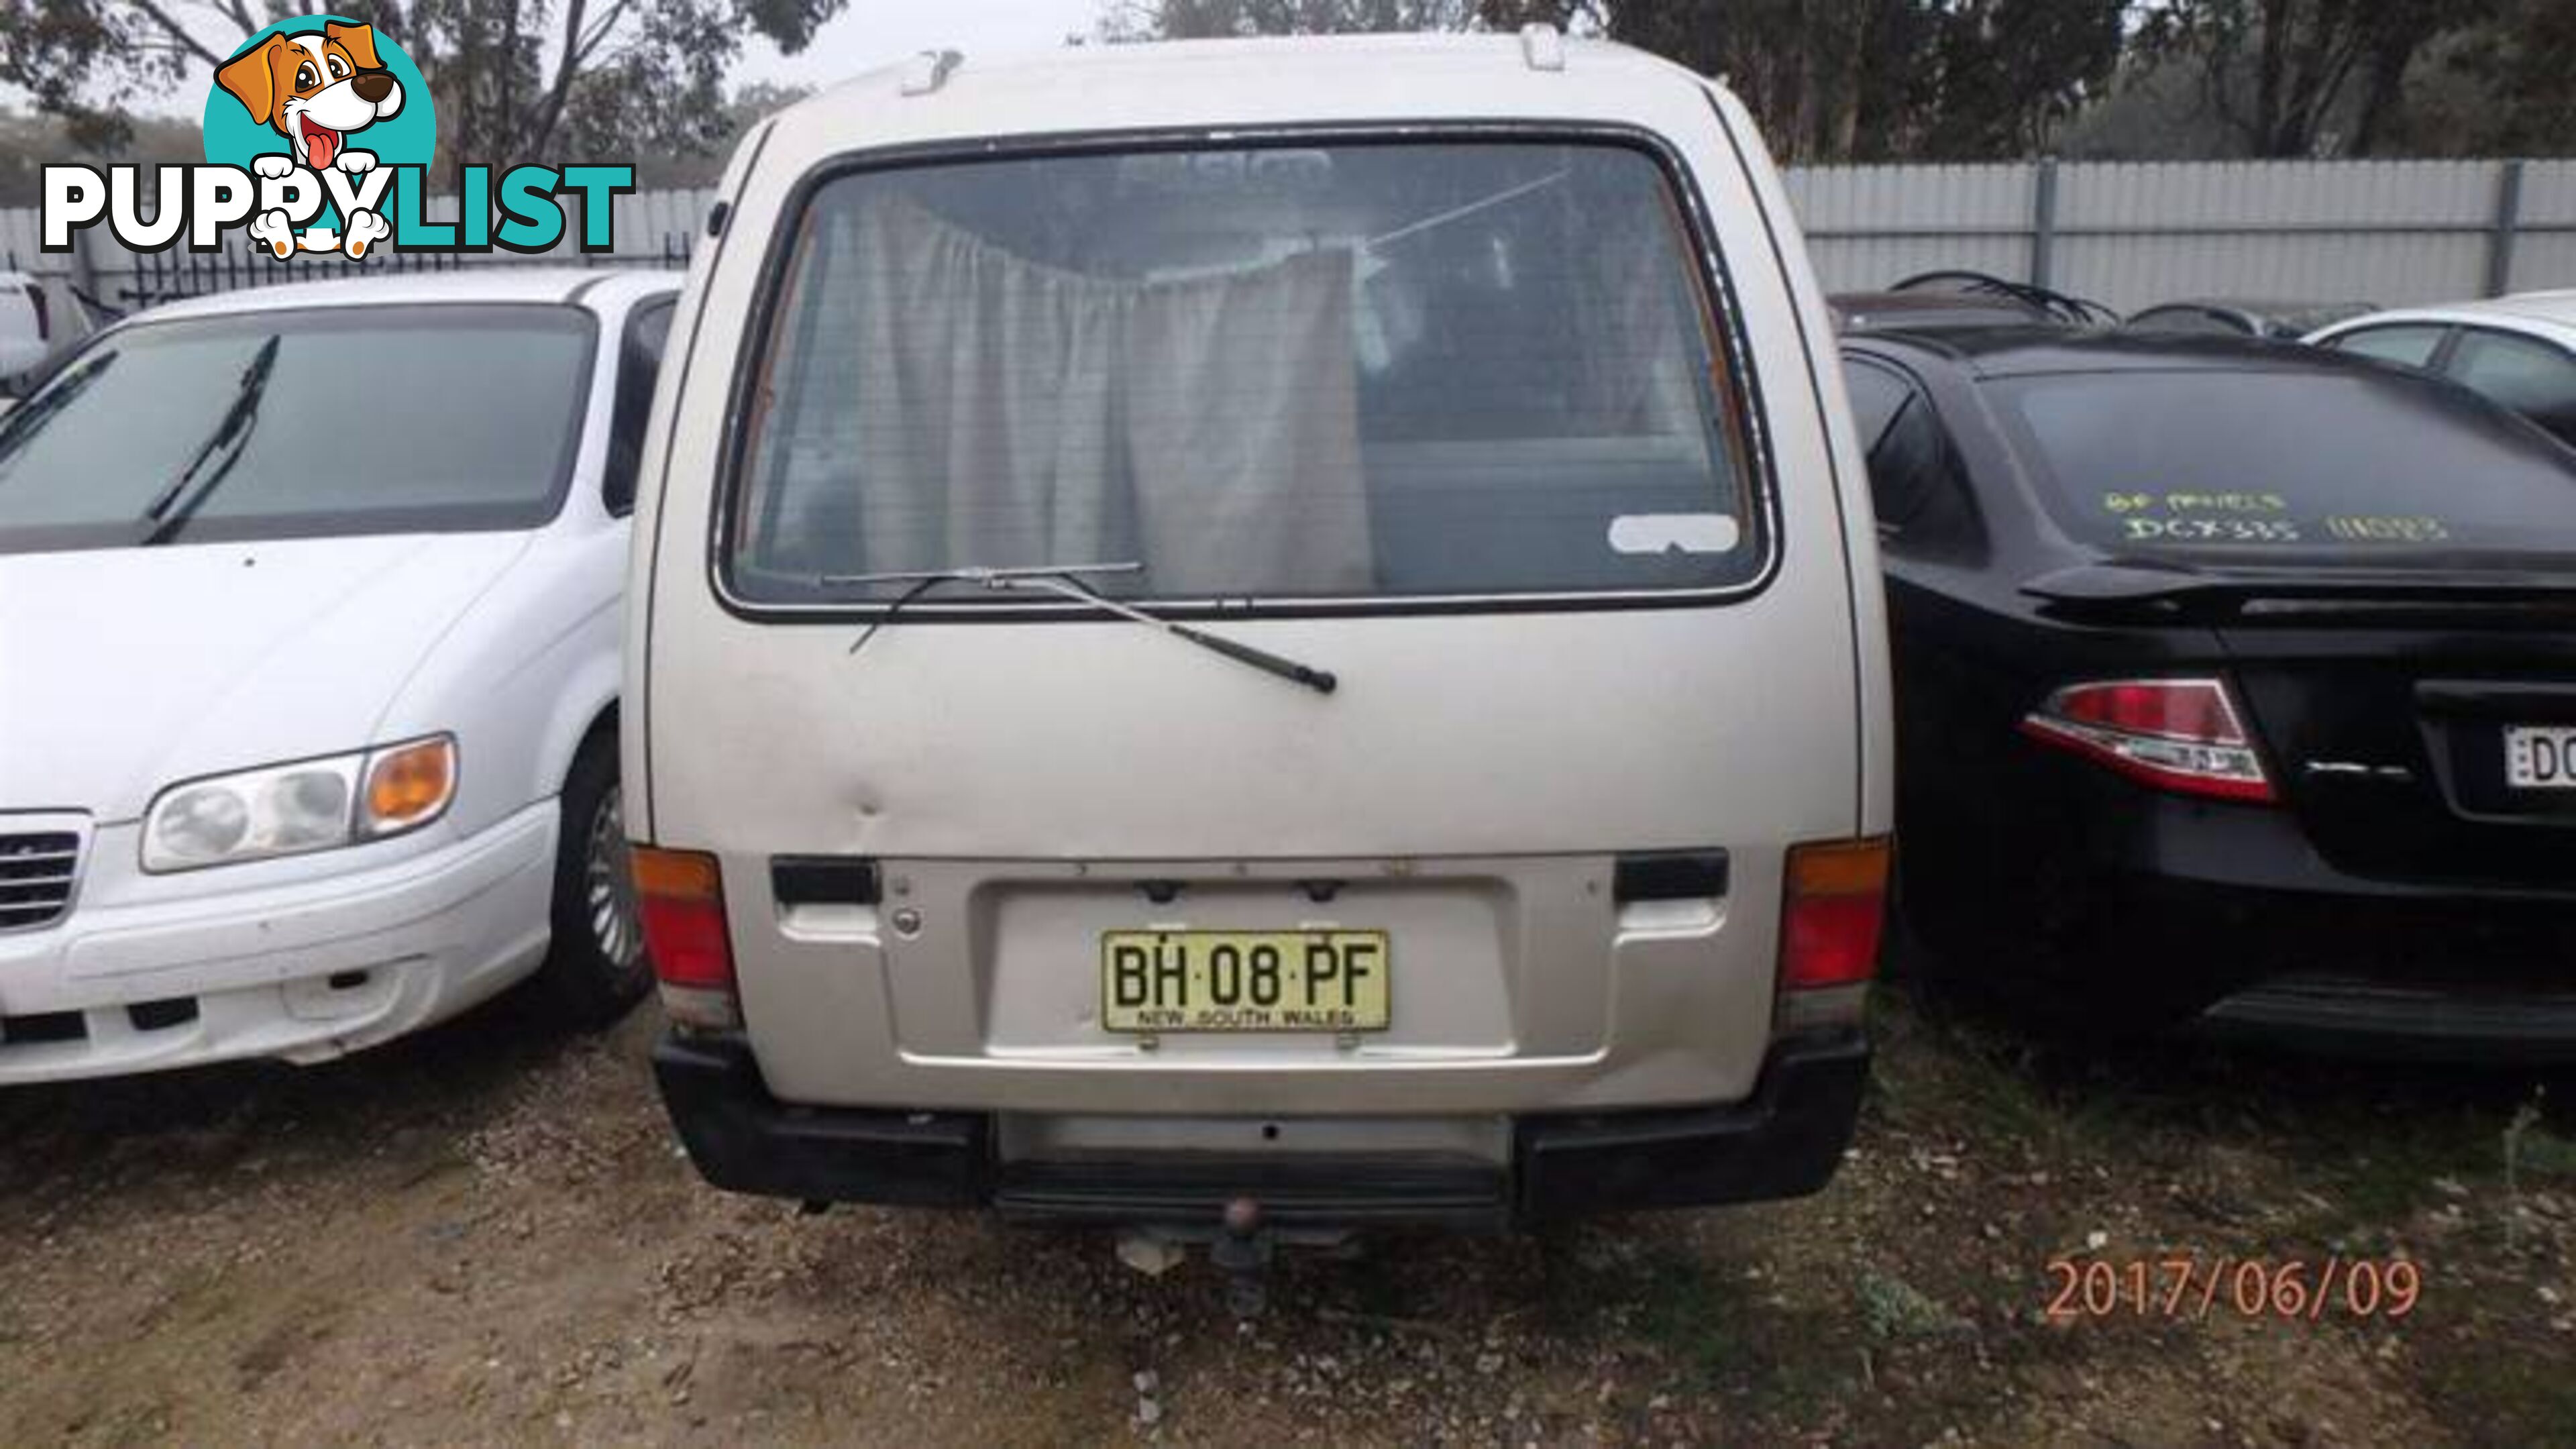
1464 423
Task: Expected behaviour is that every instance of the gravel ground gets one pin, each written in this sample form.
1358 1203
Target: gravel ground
486 1235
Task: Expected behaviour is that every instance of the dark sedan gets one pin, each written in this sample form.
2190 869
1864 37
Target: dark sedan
2235 681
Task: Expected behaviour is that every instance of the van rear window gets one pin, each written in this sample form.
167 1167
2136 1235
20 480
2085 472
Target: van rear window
1348 371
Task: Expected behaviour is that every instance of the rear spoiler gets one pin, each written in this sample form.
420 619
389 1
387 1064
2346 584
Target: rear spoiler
2150 591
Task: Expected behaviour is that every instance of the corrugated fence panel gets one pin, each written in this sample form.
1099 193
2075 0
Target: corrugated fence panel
2544 255
2129 235
1870 225
20 236
2387 232
2285 194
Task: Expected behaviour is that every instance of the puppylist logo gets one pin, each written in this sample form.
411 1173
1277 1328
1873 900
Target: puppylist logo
319 134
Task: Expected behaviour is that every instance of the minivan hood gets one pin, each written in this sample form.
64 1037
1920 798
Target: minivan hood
124 670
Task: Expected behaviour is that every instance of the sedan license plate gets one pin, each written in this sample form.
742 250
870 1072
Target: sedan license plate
2540 757
1159 981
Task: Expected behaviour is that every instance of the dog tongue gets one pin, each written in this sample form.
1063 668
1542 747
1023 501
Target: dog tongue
320 146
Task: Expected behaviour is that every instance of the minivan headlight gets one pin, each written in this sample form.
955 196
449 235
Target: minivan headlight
305 806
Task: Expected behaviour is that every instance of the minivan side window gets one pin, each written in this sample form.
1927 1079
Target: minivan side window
2525 374
639 366
2411 345
1382 369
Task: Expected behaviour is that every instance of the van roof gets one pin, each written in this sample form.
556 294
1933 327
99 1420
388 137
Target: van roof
1190 83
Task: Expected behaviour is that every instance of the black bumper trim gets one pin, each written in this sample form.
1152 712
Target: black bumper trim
744 1140
1784 1141
1319 1192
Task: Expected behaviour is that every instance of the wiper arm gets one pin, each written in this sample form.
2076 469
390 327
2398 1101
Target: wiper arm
1065 582
171 509
26 420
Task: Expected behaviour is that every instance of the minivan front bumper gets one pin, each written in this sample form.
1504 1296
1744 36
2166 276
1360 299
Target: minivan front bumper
1785 1140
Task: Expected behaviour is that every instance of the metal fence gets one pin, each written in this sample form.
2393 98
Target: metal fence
2129 235
2125 234
100 278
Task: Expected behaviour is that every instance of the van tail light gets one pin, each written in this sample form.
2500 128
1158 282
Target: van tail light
44 312
681 895
1834 905
2182 735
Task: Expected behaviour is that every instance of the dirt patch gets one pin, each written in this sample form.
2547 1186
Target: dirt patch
486 1235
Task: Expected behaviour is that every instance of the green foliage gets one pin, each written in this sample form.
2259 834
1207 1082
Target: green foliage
516 80
1964 80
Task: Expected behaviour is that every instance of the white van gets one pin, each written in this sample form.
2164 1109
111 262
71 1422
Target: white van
1259 636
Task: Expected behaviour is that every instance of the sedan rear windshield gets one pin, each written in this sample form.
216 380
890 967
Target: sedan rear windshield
302 423
1315 372
2335 465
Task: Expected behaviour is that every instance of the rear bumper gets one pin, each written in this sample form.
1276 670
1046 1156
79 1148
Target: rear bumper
2226 917
1783 1141
2341 1015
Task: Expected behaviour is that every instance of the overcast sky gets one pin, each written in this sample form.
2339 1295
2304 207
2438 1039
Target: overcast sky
870 33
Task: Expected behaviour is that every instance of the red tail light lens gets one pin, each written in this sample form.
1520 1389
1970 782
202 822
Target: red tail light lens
681 896
2182 735
1836 900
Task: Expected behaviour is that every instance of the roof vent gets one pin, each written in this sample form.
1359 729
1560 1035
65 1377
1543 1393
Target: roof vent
1542 47
930 70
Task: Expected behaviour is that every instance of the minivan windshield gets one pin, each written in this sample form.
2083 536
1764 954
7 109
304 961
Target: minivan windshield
1355 370
2341 465
300 423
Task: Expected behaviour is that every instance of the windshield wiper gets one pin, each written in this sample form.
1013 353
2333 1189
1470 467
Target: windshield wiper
1064 580
24 421
175 505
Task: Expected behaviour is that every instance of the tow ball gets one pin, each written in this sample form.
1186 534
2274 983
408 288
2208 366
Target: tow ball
1243 1251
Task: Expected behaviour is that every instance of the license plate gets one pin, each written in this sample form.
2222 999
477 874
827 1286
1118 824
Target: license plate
2540 757
1158 981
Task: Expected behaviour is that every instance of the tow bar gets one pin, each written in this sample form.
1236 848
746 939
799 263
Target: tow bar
1241 1248
1243 1252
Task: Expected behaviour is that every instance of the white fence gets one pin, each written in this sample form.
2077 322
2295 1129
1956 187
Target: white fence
2127 235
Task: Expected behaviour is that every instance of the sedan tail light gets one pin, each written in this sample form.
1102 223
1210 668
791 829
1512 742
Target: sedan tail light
2182 735
681 896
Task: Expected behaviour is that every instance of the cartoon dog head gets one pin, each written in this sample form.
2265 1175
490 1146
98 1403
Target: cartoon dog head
314 89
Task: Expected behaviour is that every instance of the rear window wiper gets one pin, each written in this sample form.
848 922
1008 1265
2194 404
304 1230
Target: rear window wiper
170 511
1065 581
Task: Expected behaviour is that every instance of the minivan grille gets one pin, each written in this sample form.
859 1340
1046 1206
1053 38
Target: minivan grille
36 873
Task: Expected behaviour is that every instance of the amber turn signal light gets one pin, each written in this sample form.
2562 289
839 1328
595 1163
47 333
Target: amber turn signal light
409 785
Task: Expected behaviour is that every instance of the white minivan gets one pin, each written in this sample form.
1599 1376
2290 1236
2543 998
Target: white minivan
309 666
1259 638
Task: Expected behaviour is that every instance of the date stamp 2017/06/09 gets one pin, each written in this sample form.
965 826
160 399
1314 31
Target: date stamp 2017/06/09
2189 1286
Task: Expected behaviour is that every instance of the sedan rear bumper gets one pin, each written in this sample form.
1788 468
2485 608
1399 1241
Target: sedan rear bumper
2344 1015
1784 1141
